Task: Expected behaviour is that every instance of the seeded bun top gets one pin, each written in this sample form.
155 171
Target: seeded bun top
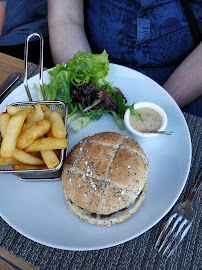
105 173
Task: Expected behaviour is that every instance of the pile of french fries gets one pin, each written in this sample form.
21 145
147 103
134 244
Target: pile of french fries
31 137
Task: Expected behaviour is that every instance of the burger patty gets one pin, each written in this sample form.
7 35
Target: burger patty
98 216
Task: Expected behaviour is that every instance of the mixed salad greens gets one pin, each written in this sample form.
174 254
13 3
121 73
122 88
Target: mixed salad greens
82 85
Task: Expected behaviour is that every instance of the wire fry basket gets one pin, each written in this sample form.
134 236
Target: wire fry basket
43 174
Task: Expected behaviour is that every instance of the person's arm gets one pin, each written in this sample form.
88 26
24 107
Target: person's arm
66 29
185 84
2 15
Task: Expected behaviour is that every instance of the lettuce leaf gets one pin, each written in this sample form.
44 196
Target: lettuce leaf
85 67
73 117
56 70
118 119
38 90
79 123
134 112
63 85
51 89
95 114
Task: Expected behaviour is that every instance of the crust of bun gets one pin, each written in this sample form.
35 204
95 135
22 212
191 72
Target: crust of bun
103 174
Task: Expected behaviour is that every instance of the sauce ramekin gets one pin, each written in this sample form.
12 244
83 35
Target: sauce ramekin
140 136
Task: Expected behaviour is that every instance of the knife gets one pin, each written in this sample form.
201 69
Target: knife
13 77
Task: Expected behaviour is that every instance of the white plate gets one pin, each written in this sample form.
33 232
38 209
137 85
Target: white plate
39 211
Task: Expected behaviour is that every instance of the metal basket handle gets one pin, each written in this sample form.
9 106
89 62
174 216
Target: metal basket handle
40 65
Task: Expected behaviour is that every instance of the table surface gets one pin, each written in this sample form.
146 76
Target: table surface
9 64
138 253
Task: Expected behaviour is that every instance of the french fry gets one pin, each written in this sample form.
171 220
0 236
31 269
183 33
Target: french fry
50 159
36 115
47 113
12 131
47 144
30 135
57 125
26 126
29 109
4 118
22 167
8 161
26 158
44 108
12 110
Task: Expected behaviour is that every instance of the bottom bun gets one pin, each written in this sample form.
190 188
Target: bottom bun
107 220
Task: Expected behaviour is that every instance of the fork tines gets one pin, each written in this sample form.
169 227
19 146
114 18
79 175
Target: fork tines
172 234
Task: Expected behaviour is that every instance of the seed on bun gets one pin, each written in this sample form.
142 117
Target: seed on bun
105 178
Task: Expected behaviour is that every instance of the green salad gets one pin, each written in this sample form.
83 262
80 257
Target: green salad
82 85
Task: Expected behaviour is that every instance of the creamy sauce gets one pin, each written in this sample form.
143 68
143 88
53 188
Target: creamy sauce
151 120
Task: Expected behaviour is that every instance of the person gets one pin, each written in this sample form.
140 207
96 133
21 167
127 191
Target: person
159 38
153 37
18 19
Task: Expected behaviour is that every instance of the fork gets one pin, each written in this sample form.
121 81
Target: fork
178 224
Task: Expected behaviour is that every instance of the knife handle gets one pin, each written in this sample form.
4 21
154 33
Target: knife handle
8 82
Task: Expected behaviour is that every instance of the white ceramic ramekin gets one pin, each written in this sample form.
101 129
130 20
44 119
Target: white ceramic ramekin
139 136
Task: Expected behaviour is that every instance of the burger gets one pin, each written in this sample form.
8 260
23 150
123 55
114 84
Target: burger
105 178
